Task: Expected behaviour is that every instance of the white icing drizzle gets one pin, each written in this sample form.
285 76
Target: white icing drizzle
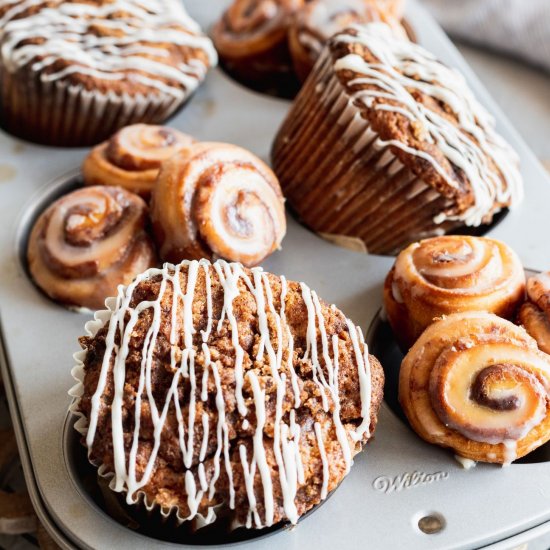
275 340
472 144
66 33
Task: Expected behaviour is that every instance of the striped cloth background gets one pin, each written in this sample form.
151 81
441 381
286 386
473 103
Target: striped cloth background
518 27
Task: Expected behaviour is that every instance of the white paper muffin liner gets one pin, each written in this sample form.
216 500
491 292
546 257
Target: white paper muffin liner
59 113
91 328
342 179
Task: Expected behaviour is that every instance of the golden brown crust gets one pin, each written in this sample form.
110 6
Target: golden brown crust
167 486
132 157
217 200
450 274
251 38
170 54
390 125
318 20
534 315
87 243
477 384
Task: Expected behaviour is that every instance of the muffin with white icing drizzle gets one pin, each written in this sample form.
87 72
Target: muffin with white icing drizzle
214 390
387 145
73 72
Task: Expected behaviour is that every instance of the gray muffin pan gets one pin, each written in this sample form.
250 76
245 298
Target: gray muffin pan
398 488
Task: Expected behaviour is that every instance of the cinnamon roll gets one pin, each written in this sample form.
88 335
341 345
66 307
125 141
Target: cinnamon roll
318 20
477 384
87 243
534 315
252 41
450 274
132 157
217 200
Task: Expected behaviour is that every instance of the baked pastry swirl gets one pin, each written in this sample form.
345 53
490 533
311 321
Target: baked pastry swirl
450 274
87 243
131 158
252 39
478 384
318 20
74 72
534 314
217 200
217 390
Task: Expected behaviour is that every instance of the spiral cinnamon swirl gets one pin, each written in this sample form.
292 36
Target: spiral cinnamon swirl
87 243
478 384
534 315
217 200
251 39
318 20
131 158
450 274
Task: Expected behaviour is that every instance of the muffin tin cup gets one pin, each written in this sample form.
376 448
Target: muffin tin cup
62 114
340 177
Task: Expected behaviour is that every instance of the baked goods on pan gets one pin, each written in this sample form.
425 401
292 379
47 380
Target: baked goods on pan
534 315
386 144
217 200
215 390
318 20
87 243
131 158
451 274
479 385
252 41
75 72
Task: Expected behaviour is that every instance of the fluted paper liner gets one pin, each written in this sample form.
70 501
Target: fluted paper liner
59 113
342 179
91 328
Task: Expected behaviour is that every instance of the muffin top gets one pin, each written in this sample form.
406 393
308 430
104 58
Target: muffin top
135 47
217 389
428 115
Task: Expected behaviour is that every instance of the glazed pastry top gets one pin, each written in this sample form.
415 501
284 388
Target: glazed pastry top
458 267
318 20
132 157
125 46
217 200
250 27
273 392
477 383
87 243
430 117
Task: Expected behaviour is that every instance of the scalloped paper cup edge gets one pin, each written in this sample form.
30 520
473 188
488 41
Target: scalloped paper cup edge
91 328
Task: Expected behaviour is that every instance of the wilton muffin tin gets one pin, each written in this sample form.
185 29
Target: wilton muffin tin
401 492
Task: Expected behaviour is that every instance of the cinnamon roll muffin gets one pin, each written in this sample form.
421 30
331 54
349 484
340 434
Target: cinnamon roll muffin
217 200
534 315
74 72
252 40
260 394
386 144
131 158
87 243
477 384
318 20
449 274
